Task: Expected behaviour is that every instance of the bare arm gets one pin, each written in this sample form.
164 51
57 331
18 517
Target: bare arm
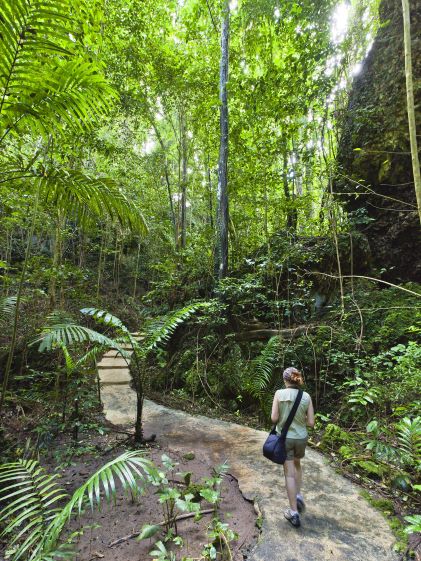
310 415
275 410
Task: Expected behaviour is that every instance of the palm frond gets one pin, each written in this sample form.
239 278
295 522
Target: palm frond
44 81
78 95
31 496
88 197
90 357
7 307
130 470
409 438
34 523
83 197
109 320
58 317
70 363
262 367
70 334
105 318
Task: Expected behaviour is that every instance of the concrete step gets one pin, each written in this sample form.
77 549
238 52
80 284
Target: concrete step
138 336
112 377
114 354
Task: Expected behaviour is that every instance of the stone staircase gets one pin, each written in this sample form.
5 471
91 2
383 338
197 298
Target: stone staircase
113 369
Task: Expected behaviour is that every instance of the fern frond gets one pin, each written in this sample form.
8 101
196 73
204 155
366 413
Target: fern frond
262 367
160 332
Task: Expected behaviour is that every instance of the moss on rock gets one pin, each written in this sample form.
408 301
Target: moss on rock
334 437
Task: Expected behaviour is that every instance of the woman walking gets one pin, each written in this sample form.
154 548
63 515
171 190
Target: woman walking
296 438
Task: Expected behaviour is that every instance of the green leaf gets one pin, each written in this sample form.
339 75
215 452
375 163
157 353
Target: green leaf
209 495
148 531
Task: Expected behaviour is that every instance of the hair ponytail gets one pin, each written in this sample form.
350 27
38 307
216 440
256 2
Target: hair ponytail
293 376
296 378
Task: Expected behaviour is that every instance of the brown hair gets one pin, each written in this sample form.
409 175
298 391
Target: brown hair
293 376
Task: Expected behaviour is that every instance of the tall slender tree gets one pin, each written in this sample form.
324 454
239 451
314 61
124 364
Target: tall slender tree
183 148
222 219
411 102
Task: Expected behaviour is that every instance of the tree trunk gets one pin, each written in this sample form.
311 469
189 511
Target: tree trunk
183 179
11 352
266 209
82 248
411 103
221 253
210 194
136 374
138 432
57 251
101 261
292 218
136 270
166 174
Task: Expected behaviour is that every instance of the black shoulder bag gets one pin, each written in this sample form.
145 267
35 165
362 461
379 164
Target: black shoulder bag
274 447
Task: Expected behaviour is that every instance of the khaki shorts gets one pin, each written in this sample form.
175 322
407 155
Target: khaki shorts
295 447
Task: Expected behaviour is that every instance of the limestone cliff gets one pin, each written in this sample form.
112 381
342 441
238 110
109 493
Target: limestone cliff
374 154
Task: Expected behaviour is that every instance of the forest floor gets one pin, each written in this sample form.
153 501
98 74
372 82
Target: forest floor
128 517
101 528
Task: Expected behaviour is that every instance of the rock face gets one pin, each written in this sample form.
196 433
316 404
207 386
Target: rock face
376 124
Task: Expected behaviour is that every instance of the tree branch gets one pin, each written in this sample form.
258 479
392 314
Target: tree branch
181 517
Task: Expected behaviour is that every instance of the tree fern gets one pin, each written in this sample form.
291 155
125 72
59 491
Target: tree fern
262 367
34 522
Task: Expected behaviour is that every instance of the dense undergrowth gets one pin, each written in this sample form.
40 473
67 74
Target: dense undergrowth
357 346
359 351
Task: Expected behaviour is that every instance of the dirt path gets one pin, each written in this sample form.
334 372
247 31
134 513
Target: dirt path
339 524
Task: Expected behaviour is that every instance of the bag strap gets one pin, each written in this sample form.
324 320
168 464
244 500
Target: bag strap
292 414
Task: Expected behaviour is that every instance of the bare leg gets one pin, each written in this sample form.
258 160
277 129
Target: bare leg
289 471
298 474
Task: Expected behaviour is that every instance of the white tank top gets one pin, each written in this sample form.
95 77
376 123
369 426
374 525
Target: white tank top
286 398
